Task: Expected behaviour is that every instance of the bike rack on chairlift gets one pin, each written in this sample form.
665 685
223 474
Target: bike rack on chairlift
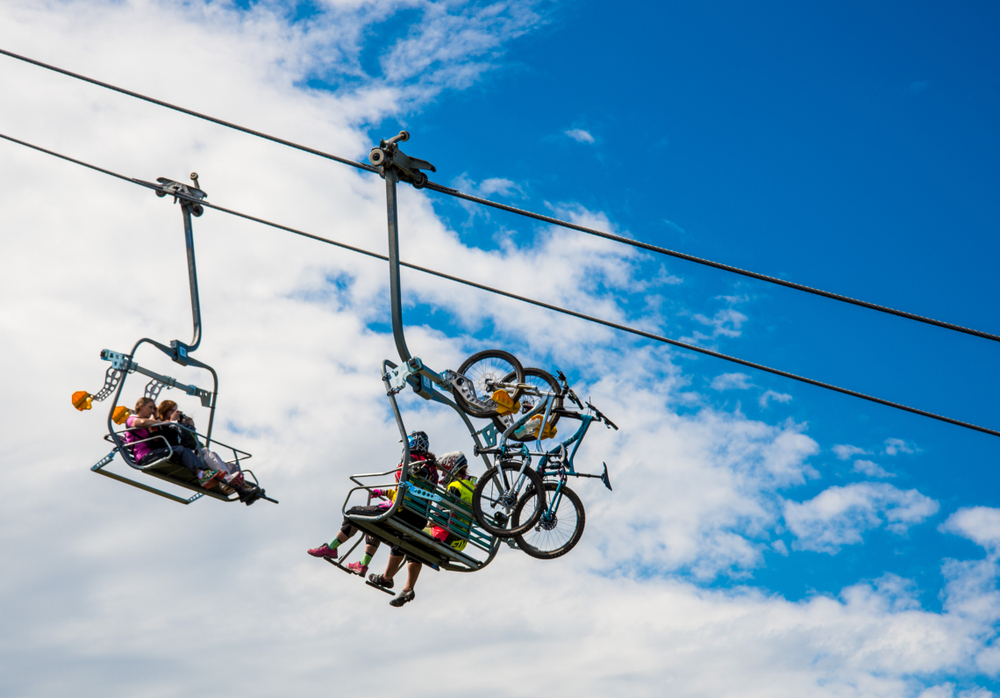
395 166
124 364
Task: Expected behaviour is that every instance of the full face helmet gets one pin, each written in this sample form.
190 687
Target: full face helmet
419 443
454 462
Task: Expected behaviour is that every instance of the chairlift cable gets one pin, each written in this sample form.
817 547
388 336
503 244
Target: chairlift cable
53 153
191 112
532 301
709 263
522 212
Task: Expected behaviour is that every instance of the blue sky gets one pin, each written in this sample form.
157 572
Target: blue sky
820 544
847 147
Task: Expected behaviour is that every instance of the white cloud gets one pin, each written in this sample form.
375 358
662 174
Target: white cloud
839 516
497 185
289 324
731 381
486 188
454 43
845 452
945 690
979 524
894 446
727 322
579 135
725 472
871 469
772 395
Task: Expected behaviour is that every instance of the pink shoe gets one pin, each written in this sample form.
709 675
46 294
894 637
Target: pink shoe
358 568
323 551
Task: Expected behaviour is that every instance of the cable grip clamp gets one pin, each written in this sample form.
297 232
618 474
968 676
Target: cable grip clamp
388 156
187 194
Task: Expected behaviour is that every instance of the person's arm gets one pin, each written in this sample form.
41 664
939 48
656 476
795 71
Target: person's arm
139 422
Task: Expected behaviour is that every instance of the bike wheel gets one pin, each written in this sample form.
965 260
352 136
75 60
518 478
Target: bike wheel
497 494
543 381
484 370
559 528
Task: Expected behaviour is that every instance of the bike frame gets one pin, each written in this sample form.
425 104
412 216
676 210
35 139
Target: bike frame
566 458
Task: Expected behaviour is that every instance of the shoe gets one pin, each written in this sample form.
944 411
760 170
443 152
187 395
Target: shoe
405 596
209 478
380 581
225 489
323 551
234 480
358 568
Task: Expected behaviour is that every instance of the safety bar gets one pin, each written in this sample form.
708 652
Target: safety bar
123 362
128 360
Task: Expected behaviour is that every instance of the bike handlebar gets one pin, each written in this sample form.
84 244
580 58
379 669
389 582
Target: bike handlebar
603 417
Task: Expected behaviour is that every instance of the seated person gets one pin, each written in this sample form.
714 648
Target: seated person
232 476
144 452
455 467
422 464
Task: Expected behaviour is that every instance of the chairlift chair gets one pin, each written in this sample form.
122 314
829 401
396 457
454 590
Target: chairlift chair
123 365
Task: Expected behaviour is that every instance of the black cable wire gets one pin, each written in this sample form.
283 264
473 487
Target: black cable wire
525 299
709 263
40 149
191 112
521 212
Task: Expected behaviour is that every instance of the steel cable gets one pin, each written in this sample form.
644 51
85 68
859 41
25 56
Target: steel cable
521 212
525 299
191 112
709 263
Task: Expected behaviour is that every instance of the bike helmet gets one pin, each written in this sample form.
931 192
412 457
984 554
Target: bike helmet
453 462
419 443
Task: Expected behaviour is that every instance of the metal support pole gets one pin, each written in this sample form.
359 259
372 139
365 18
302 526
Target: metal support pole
188 197
192 275
394 292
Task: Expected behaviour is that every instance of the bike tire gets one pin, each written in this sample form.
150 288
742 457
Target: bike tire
490 493
549 539
481 369
543 380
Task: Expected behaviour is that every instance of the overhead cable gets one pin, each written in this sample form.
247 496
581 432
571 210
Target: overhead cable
191 112
525 299
521 212
709 263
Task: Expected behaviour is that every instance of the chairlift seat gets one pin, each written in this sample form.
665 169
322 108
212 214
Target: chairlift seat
421 547
175 474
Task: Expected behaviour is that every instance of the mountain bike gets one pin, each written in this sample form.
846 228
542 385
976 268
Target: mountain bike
547 520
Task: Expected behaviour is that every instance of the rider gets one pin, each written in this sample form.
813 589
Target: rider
462 485
144 451
422 464
232 476
456 468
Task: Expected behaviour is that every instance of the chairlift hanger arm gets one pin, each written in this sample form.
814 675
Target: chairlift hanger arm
395 166
188 197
